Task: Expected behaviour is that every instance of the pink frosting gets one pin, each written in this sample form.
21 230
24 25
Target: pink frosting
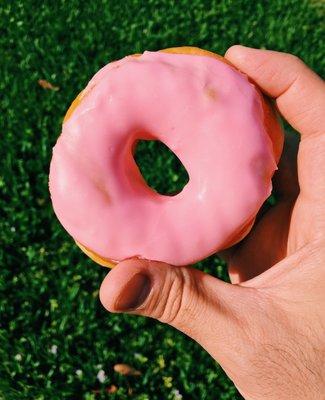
207 113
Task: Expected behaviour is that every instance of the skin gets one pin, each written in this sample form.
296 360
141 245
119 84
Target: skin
266 329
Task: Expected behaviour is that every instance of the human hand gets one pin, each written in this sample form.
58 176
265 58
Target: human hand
267 330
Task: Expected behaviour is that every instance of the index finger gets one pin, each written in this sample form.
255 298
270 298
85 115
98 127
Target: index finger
298 91
300 97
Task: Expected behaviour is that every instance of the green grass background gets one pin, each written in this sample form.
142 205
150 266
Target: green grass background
48 289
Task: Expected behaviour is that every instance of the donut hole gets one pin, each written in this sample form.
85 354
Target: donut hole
160 167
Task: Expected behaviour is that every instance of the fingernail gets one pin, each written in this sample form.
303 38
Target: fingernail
134 293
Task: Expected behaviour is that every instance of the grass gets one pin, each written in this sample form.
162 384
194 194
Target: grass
52 325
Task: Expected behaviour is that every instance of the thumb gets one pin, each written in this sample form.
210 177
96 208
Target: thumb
201 306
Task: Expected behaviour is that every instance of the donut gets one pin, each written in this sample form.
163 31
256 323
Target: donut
212 116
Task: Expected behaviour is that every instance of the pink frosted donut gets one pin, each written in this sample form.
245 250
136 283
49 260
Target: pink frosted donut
208 114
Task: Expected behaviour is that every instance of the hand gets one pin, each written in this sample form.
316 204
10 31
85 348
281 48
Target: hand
268 330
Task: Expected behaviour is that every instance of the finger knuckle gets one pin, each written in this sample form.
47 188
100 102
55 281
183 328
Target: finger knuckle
176 296
295 60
